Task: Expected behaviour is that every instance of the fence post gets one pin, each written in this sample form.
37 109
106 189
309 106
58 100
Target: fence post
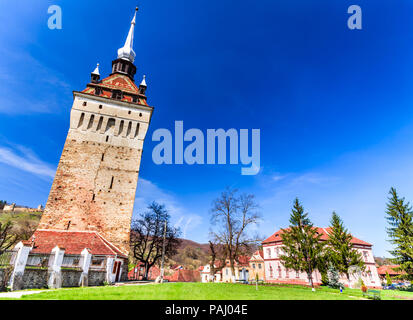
109 267
16 280
55 278
87 258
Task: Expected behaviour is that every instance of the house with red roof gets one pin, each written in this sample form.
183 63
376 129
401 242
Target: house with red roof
390 269
257 266
276 272
224 272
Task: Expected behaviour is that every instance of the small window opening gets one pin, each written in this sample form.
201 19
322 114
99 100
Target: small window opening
103 156
84 104
68 225
111 183
107 138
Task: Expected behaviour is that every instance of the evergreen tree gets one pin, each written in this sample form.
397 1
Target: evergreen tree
302 248
334 278
400 218
340 250
388 279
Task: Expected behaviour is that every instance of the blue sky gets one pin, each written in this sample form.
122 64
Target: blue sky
334 105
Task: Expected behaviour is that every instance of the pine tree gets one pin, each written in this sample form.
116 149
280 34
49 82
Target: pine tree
302 247
340 250
400 218
334 278
388 279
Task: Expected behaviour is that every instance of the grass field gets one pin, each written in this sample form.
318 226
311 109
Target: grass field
207 291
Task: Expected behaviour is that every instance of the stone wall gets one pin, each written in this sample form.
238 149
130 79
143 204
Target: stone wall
34 278
70 278
96 278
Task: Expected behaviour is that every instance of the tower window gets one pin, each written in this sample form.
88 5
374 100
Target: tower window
98 91
84 104
82 117
103 156
111 183
100 106
107 138
117 94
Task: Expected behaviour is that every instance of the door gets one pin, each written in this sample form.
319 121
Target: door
118 265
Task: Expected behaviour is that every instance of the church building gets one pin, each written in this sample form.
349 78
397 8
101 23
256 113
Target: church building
85 226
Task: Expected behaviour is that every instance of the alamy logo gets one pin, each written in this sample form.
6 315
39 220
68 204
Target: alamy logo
216 147
55 20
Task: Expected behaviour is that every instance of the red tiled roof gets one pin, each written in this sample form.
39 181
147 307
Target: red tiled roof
257 253
383 269
243 260
184 276
276 237
73 241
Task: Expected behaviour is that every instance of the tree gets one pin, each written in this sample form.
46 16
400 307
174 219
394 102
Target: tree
340 250
400 219
333 278
147 236
302 248
7 237
2 204
217 255
388 279
233 215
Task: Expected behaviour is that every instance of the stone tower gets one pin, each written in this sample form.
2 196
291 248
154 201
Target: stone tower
96 179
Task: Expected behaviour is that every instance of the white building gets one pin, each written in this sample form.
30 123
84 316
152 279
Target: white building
276 272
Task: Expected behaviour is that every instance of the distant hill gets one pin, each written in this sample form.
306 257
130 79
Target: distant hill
189 243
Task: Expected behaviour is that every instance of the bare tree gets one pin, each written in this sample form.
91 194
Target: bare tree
218 254
147 236
232 216
7 237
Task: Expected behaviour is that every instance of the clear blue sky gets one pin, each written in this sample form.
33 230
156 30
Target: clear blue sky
335 106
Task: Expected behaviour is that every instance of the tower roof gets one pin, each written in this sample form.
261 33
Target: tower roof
143 83
96 71
126 52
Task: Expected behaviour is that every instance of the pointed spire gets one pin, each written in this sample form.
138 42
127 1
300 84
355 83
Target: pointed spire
126 52
95 74
143 86
143 83
96 71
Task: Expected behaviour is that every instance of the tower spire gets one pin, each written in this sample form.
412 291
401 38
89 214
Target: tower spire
126 52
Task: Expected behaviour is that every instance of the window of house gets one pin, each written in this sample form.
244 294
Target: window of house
269 253
277 252
253 265
365 254
297 275
279 272
259 266
226 271
271 272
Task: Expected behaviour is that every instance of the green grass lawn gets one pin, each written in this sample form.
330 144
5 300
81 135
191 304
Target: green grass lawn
207 291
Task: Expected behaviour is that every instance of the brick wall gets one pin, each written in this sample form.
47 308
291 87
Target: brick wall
95 183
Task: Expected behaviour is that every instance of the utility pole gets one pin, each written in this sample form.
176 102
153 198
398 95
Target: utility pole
163 252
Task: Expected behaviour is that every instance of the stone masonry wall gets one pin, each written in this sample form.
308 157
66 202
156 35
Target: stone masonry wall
96 179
